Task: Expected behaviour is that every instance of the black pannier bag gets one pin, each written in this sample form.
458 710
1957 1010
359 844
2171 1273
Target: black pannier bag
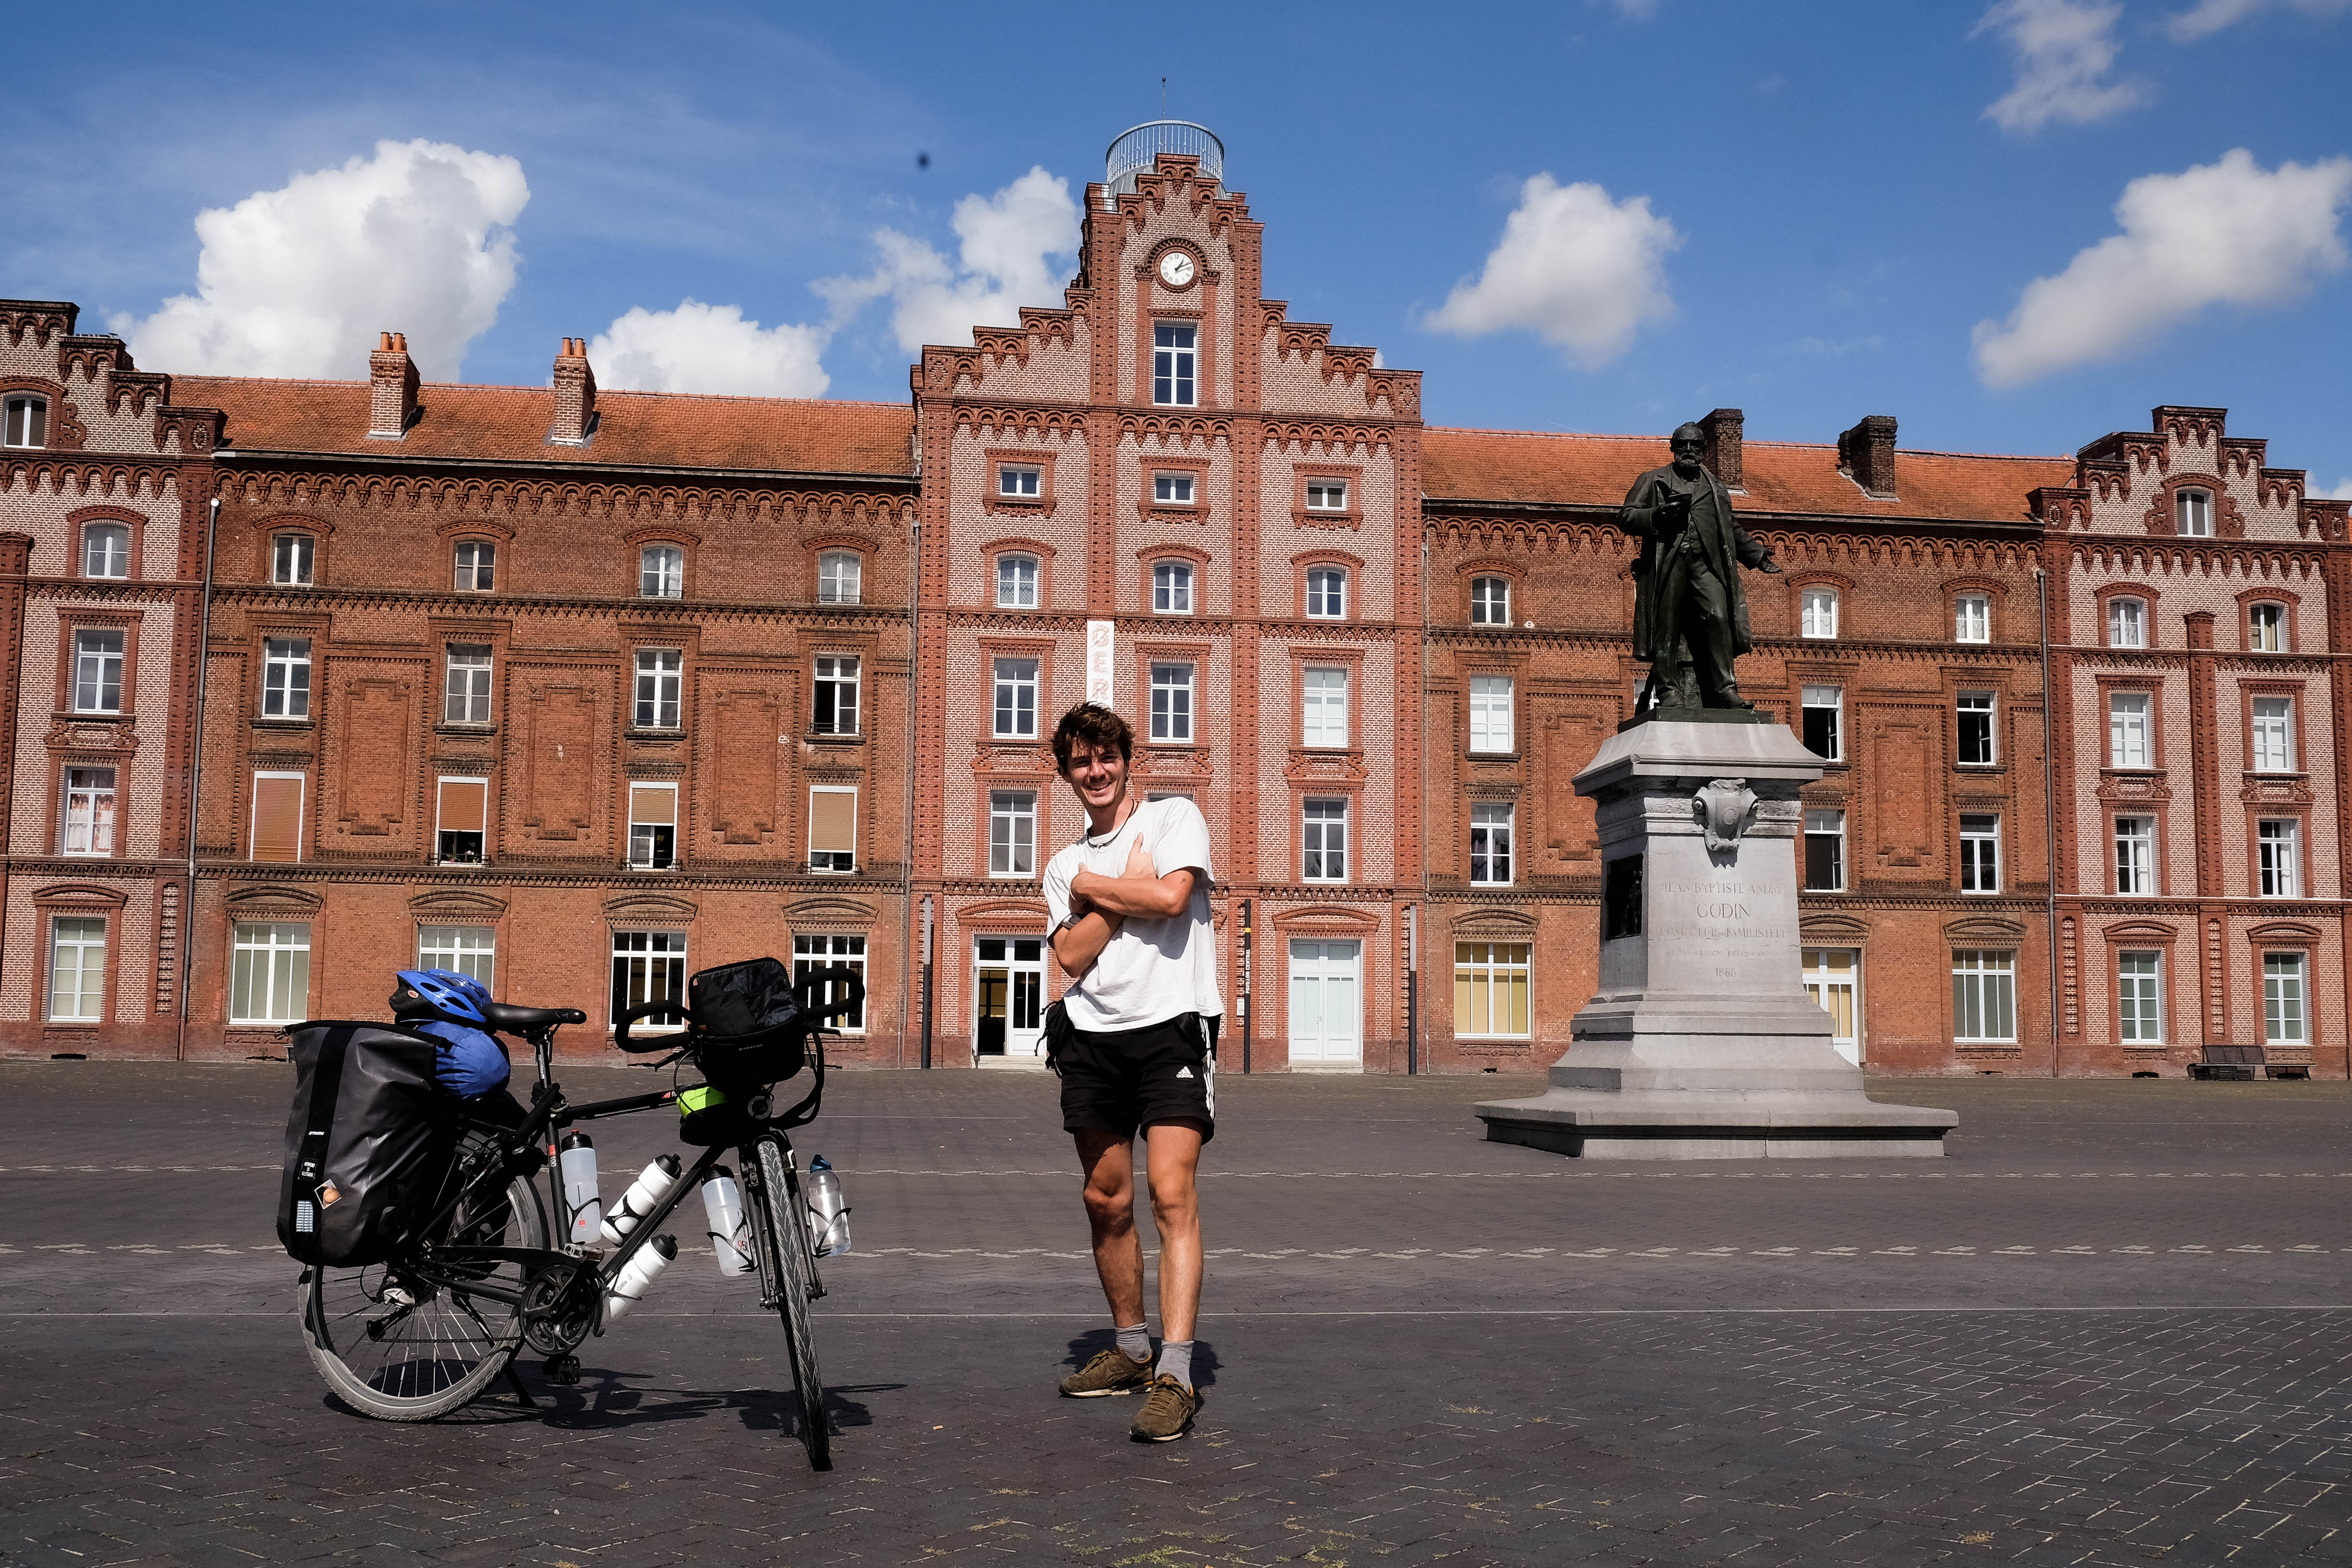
748 1028
367 1146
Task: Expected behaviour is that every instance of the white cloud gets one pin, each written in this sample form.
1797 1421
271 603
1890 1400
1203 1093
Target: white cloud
2222 233
1635 10
2340 490
1580 271
2208 16
2065 49
1010 241
299 280
710 348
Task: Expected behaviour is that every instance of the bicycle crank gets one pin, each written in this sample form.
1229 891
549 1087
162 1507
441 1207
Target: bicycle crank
560 1302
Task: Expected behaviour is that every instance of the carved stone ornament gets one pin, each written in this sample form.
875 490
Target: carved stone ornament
1723 808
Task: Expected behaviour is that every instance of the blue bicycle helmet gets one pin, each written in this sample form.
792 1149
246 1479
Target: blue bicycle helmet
442 994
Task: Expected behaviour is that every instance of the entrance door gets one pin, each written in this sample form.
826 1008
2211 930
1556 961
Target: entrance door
1010 995
1327 1009
1833 979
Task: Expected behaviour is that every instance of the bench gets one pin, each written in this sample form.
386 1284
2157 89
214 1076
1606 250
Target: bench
2243 1064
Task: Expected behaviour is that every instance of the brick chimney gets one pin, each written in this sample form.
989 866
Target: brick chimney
1724 429
575 395
391 388
1866 454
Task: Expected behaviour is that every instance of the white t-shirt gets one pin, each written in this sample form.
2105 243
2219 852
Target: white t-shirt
1151 970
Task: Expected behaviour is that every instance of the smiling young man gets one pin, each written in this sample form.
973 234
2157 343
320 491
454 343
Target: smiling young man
1130 903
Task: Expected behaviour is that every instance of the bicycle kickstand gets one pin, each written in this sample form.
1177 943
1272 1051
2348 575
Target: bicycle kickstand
514 1381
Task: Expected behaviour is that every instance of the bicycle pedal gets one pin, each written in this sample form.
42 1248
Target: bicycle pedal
563 1370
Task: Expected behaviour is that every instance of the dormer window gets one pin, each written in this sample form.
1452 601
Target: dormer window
1016 582
2192 513
1017 481
661 571
1327 495
1175 358
1172 489
2126 623
106 550
1490 602
26 423
291 556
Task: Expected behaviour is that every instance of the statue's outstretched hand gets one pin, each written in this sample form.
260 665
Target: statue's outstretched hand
1770 568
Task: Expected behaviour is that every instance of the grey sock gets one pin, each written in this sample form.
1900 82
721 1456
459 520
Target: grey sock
1135 1343
1175 1360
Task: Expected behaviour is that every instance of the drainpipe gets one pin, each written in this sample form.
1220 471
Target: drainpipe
196 776
2049 807
906 860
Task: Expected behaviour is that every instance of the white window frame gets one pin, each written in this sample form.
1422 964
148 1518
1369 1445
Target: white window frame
1829 700
645 951
1323 708
840 577
1967 705
441 846
832 950
2266 627
1972 617
1490 601
1505 973
1323 838
2139 996
466 685
1015 685
27 416
1173 488
841 862
293 560
2278 856
1326 592
1017 581
99 671
2135 856
2131 729
469 949
1818 615
474 566
2192 513
644 850
84 819
2271 734
1175 365
1492 826
1984 996
2286 999
85 1002
660 698
1826 823
1171 587
1492 727
842 677
1012 832
1980 852
95 561
1020 481
1824 981
1327 495
282 659
2126 622
1173 702
661 571
284 987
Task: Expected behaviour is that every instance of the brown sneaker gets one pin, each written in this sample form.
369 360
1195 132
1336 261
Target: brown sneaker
1110 1372
1167 1413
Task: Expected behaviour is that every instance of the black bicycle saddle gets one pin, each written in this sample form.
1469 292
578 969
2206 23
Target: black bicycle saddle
503 1017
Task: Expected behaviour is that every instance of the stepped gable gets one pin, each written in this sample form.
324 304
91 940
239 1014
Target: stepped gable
510 423
1528 467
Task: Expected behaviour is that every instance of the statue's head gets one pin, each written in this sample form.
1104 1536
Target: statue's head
1689 443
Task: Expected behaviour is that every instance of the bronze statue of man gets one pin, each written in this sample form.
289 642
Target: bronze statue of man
1690 617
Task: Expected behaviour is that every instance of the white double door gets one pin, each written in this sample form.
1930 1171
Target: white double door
1327 1003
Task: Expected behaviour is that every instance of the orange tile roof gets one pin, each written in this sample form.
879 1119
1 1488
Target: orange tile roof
658 429
1780 475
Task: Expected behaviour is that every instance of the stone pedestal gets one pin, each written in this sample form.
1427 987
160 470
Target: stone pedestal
1701 1043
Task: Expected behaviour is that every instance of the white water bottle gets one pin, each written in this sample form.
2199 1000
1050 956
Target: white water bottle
637 1278
828 1215
731 1233
578 1163
652 1186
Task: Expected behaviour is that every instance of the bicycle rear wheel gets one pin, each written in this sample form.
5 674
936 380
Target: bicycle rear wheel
786 1217
397 1349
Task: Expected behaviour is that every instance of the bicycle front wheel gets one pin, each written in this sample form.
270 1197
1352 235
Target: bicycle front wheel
397 1349
786 1216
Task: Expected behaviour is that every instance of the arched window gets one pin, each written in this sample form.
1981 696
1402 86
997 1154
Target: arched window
106 550
1326 592
293 557
2192 513
840 577
476 565
1171 587
2126 623
661 571
2266 628
26 423
1016 582
1490 601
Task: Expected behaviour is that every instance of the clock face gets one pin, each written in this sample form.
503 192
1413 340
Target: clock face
1176 269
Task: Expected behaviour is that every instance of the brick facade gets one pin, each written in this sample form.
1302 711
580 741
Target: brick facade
598 683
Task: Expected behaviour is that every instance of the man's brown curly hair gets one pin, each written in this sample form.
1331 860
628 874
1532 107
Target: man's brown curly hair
1094 725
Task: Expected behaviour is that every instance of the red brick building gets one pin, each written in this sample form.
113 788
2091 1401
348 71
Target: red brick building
583 690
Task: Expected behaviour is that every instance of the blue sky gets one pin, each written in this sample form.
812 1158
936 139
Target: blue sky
1805 210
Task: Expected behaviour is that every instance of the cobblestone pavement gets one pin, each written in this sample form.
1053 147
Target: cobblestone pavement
2111 1327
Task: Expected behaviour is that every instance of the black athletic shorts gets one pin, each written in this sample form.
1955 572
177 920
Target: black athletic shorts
1126 1079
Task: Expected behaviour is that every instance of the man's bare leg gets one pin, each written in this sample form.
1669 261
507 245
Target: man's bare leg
1109 1161
1173 1159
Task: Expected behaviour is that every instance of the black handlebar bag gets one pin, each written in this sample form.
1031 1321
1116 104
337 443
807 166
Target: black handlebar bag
748 1026
369 1141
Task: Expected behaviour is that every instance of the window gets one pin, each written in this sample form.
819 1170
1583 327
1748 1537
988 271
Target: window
1490 714
2126 623
833 951
1490 601
2278 860
1984 996
2266 628
1972 618
2135 855
461 821
1016 582
2139 998
98 672
1174 357
2283 1023
1019 481
2128 729
476 566
1172 589
290 558
2192 512
465 695
106 550
1820 613
1490 841
1324 835
1327 495
89 812
1016 699
840 577
286 677
1012 832
463 949
1980 852
2273 736
1326 592
661 571
269 972
833 828
1976 729
660 679
77 969
653 827
834 708
1323 718
1171 489
26 423
1171 704
648 966
1490 988
276 831
1833 979
1823 709
1825 851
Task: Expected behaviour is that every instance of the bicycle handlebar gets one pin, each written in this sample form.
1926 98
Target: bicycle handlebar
807 991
